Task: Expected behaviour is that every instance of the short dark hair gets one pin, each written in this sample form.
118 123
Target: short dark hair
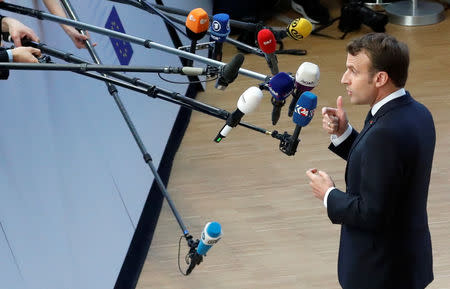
386 54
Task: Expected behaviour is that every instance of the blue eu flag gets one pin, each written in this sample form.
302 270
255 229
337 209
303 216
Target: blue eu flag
123 49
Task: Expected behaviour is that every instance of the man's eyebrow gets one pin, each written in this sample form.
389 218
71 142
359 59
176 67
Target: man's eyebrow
351 66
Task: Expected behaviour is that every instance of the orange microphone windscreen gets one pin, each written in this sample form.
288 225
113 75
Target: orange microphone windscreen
197 21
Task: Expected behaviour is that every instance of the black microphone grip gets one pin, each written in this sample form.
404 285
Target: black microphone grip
196 259
190 62
215 51
232 121
295 96
276 111
288 143
272 62
293 142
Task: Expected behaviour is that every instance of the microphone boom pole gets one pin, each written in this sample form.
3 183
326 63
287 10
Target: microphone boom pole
140 41
147 157
145 88
144 5
89 67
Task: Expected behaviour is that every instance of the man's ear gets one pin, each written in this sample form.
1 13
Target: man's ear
381 78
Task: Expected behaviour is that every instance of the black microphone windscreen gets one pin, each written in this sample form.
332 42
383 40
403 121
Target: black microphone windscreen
230 71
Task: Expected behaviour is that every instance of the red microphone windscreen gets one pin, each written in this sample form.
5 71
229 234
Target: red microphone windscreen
266 41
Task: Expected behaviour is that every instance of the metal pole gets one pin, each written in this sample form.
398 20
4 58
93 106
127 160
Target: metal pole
147 157
144 42
87 67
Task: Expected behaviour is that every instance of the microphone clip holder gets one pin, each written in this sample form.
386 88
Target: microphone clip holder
198 46
44 59
192 258
288 145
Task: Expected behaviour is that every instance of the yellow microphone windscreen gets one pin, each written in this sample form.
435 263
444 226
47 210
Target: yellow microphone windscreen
299 28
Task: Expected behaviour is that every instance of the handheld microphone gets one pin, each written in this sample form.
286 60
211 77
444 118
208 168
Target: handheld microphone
197 23
247 103
211 234
229 72
299 28
306 78
268 44
303 113
280 87
219 31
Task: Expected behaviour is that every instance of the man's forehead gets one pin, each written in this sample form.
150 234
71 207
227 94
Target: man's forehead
358 60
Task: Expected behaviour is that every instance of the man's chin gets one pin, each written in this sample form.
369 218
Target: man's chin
353 100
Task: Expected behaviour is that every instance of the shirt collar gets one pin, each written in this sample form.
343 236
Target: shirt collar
394 95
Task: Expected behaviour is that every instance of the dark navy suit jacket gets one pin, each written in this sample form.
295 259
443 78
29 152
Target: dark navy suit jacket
3 57
4 73
385 240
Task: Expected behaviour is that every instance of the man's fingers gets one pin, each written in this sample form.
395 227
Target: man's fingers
16 40
33 36
329 111
311 173
323 174
35 51
339 105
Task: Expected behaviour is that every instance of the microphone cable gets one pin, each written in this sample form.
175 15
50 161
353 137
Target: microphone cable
186 258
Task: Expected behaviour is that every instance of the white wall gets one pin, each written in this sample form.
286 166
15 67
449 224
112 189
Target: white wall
72 179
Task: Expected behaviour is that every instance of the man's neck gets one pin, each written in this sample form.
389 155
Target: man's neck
384 92
393 95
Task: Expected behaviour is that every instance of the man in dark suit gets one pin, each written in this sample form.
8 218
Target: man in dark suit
17 30
385 240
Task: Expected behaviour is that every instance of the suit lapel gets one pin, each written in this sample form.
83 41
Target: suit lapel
402 100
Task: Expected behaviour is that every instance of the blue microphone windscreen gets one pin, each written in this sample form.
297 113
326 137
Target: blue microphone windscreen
304 109
210 235
220 27
281 85
214 230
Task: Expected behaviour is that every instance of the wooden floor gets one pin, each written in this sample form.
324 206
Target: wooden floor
276 234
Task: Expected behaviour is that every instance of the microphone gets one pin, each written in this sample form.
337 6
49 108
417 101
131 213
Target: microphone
268 44
280 87
211 235
247 103
197 23
299 28
219 31
189 70
229 72
303 113
306 78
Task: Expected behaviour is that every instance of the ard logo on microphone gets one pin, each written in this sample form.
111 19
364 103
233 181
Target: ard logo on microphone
304 111
216 25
